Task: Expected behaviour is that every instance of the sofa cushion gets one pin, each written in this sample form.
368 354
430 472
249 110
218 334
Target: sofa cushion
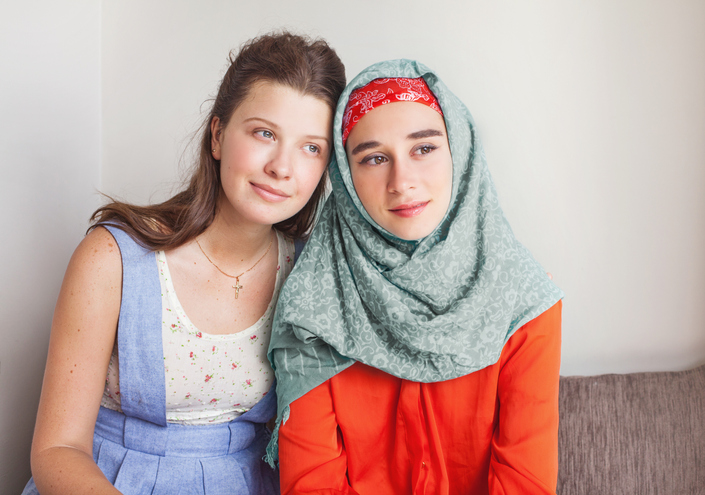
639 433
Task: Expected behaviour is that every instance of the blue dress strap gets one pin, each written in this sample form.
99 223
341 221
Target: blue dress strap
299 245
139 335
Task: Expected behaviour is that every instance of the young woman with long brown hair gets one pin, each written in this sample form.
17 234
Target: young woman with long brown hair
147 392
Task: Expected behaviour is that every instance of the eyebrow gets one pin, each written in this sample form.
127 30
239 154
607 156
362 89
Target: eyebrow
424 134
276 127
268 122
322 138
365 146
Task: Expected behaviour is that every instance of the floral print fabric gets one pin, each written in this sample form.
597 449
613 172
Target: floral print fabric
209 378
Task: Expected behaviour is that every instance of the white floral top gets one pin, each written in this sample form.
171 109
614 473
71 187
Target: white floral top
209 378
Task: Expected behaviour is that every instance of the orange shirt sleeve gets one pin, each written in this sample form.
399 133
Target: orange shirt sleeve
524 449
312 457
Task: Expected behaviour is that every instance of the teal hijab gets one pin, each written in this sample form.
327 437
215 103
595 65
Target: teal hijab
428 310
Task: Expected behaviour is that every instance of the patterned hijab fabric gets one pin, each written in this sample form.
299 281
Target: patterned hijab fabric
428 310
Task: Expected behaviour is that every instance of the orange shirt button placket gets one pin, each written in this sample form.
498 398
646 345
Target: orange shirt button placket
424 475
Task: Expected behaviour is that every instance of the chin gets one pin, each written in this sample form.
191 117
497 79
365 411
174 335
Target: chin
267 217
409 234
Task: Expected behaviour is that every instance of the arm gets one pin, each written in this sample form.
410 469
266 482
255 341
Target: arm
82 336
525 442
311 451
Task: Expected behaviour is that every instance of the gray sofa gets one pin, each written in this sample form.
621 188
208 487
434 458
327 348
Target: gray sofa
640 433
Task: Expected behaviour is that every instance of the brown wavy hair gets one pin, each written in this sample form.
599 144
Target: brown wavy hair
309 66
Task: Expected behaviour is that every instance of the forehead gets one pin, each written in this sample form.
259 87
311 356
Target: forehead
396 120
280 103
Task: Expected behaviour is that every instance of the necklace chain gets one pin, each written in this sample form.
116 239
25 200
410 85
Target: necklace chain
237 285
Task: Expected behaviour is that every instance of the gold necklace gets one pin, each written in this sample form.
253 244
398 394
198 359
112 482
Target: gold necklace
237 285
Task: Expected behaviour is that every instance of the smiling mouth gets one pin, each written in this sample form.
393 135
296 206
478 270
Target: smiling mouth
269 193
410 209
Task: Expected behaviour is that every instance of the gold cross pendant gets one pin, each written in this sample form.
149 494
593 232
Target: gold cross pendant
237 287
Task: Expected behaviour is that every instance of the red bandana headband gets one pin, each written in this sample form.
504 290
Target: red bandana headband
382 91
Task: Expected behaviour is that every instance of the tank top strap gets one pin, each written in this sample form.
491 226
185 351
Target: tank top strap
139 334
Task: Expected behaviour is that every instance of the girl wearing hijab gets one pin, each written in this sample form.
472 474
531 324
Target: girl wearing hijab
147 392
416 344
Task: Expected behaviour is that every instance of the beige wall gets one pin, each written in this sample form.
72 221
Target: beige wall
592 113
50 163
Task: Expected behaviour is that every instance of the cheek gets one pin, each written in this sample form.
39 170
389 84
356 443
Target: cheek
372 194
241 156
363 187
448 181
309 178
443 180
226 171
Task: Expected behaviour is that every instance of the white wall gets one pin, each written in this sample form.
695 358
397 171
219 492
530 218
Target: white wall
49 154
592 112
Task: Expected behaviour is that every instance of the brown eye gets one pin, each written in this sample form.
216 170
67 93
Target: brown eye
374 160
424 149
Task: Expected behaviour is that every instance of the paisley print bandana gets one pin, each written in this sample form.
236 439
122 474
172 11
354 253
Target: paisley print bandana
428 310
383 91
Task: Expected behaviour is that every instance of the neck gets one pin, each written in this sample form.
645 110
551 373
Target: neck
234 243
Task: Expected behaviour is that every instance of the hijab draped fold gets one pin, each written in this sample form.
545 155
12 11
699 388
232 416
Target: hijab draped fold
428 310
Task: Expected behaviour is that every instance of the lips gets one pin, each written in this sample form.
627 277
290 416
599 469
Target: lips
269 193
408 210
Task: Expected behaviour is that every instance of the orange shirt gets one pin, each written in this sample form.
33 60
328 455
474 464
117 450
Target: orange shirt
493 431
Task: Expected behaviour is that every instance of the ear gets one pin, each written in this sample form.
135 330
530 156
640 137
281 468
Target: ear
215 138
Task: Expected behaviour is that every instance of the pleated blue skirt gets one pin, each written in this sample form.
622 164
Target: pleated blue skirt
139 457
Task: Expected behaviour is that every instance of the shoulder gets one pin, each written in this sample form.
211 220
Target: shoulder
97 259
99 245
540 336
545 325
90 295
548 322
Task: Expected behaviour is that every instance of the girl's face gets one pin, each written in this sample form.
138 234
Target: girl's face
401 167
272 153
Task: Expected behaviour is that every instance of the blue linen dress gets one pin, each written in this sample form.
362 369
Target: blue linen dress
137 450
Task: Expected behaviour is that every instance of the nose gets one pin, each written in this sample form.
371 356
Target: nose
279 165
401 178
